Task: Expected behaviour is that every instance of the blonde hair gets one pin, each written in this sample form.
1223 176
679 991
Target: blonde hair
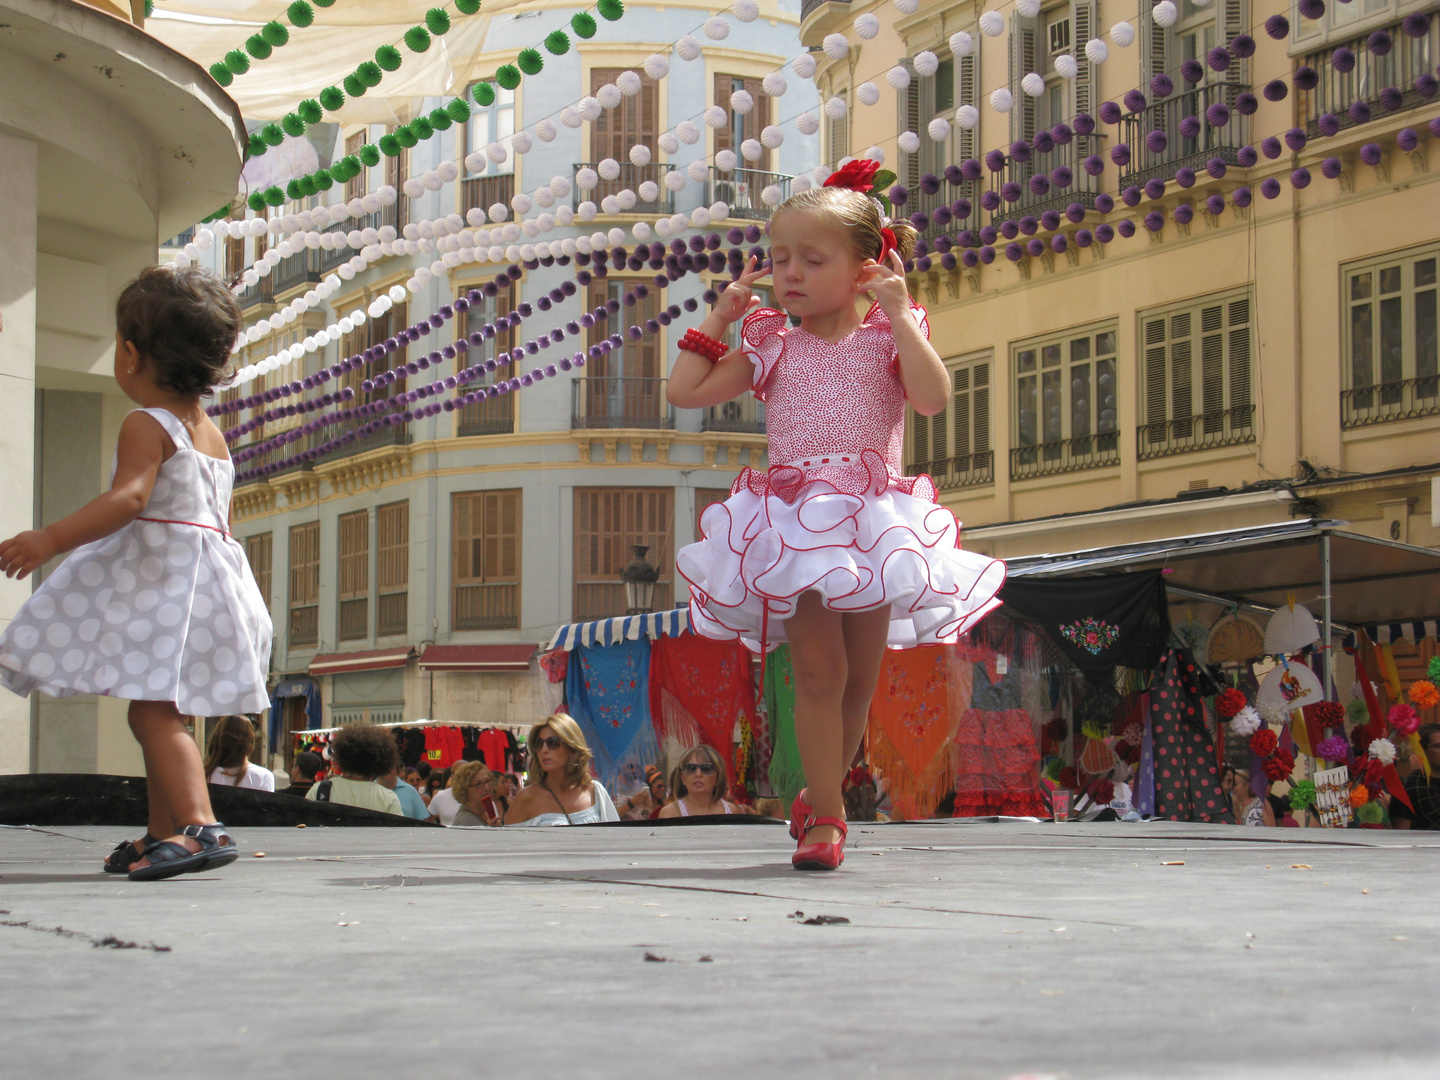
577 772
706 754
466 775
229 746
857 215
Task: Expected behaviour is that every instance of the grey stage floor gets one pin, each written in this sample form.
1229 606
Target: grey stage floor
972 951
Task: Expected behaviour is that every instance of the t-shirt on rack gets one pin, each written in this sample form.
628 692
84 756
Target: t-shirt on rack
441 744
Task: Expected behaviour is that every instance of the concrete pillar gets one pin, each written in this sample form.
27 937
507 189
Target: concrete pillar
19 185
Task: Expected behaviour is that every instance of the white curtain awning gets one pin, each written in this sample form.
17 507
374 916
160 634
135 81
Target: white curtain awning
657 624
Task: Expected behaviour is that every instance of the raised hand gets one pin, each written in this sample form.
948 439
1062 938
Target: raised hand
737 301
886 282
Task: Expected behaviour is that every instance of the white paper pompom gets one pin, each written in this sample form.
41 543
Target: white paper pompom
967 117
907 7
803 65
771 195
1001 100
1381 750
771 136
719 211
447 171
616 236
751 150
412 187
629 83
649 191
801 183
663 229
908 142
898 77
1245 722
876 154
560 186
585 211
1033 84
586 179
545 129
1165 13
688 47
867 93
697 170
1096 51
992 24
1065 66
609 205
522 142
820 174
1027 9
725 160
499 211
716 116
775 84
867 25
626 198
699 217
808 123
716 28
668 143
746 10
640 154
687 132
926 63
939 129
836 46
657 66
589 108
1122 34
835 107
609 169
961 43
741 102
609 96
569 116
521 203
497 153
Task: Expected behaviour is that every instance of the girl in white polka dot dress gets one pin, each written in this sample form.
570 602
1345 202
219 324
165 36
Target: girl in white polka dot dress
156 602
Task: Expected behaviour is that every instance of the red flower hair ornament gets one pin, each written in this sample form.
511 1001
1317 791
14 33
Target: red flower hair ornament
859 175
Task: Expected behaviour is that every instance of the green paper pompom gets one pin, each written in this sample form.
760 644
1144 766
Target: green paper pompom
256 201
508 76
307 186
1302 794
557 42
324 3
458 110
390 145
323 180
421 127
483 93
275 34
222 74
1357 712
292 190
257 146
438 20
610 10
417 39
339 171
389 57
257 47
149 8
369 73
310 111
369 155
274 196
272 134
406 136
467 7
530 61
237 61
331 98
353 86
1370 814
583 24
293 125
300 13
1433 670
439 119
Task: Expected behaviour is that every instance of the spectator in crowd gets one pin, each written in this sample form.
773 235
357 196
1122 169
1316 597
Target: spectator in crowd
699 783
362 753
1424 791
1249 808
411 805
304 772
443 805
227 756
1227 782
418 775
641 804
561 790
512 786
473 786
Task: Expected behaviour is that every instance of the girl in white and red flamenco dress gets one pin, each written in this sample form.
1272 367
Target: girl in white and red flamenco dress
832 550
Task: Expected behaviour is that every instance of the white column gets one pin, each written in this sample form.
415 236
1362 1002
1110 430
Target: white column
19 179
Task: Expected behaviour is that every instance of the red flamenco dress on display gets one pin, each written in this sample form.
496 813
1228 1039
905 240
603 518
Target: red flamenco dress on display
834 512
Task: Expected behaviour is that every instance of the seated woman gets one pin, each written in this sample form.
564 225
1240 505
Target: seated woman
561 791
227 756
472 784
699 783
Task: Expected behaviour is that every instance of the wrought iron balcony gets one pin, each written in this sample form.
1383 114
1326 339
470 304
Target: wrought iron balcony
261 292
1382 402
485 191
949 197
1221 427
741 414
1034 196
486 606
631 177
1408 58
1065 455
740 190
1165 115
490 416
601 401
302 268
809 7
963 470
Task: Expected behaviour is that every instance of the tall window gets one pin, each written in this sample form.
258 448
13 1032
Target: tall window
355 187
703 498
1197 376
235 249
397 170
493 415
392 569
635 120
742 126
930 97
485 560
608 521
375 331
304 585
354 573
1064 404
260 554
953 446
491 123
624 388
837 132
1391 368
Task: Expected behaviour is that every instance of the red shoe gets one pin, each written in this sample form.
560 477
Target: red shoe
800 810
821 856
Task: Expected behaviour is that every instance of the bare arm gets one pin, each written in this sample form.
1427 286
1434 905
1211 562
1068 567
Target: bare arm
696 383
142 450
922 372
670 810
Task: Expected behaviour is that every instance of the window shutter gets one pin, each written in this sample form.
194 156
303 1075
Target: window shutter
960 410
1156 42
1022 62
920 440
912 120
1082 29
980 415
1155 378
1239 361
964 95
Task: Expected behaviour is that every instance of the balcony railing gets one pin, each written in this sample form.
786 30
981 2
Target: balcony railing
1222 427
392 614
963 470
631 176
1065 455
487 606
304 626
1380 403
396 435
604 599
1408 58
302 268
492 416
601 401
280 453
741 414
740 190
809 7
1083 187
1165 115
261 292
948 195
354 619
485 191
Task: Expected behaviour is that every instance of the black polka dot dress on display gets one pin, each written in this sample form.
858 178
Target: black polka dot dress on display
1187 780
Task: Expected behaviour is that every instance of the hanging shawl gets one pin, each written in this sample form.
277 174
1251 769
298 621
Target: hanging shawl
1187 782
787 776
608 693
913 717
699 688
1097 622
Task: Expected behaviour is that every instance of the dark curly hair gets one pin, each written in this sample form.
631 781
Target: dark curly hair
364 750
183 323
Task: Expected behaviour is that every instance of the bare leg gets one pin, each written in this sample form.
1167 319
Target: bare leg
817 654
865 635
174 773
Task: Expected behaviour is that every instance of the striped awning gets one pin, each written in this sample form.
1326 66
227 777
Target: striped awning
657 624
1389 633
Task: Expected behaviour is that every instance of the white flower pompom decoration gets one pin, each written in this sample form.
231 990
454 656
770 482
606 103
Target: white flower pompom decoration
939 129
746 10
1245 722
867 93
640 230
1278 715
412 187
1028 9
992 24
1001 99
657 66
608 168
820 174
640 154
522 142
803 65
926 63
522 204
610 205
771 195
498 211
742 102
907 7
697 170
700 217
967 117
447 171
771 136
719 211
751 150
908 142
545 130
835 107
801 183
716 116
961 43
649 191
725 160
688 47
1122 34
716 28
774 84
687 132
1381 750
808 123
898 77
496 152
589 108
560 186
836 46
1096 51
569 116
675 180
867 25
668 143
1033 84
1065 66
629 83
1165 13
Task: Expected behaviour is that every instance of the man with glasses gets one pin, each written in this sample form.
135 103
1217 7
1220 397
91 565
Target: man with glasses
1424 791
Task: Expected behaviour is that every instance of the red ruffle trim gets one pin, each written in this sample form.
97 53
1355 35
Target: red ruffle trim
859 474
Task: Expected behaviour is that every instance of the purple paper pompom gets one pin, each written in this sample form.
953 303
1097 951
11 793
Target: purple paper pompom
1131 196
1328 124
1155 188
1109 112
1157 141
1009 230
1039 184
1241 197
1416 24
1058 244
1218 58
1104 233
1010 191
961 209
1061 134
1243 46
1276 90
1408 139
1306 78
1062 176
1216 168
930 183
1019 151
1035 247
1270 147
1215 205
1342 60
899 195
1093 165
1029 224
1075 213
1300 178
1296 139
1042 143
920 220
1246 103
988 233
1083 124
990 200
1184 214
1218 114
995 160
1425 84
1162 86
1185 177
1371 154
1270 187
1084 238
970 169
1278 27
1189 126
1120 154
1391 98
987 254
969 258
942 244
1331 168
1134 100
1126 228
1380 43
954 176
1104 203
1311 9
941 216
1359 112
947 261
1050 220
923 263
1014 252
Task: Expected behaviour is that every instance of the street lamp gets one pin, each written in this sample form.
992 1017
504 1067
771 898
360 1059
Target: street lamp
639 577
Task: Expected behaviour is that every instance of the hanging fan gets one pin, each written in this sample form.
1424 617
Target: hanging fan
1288 687
1290 629
1193 635
1234 639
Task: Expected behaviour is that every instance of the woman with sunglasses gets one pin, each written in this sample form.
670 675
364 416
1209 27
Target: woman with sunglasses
699 784
561 790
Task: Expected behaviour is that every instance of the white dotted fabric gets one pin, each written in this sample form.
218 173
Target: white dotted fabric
156 611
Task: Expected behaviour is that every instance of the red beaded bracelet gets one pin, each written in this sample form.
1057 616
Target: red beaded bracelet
703 345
